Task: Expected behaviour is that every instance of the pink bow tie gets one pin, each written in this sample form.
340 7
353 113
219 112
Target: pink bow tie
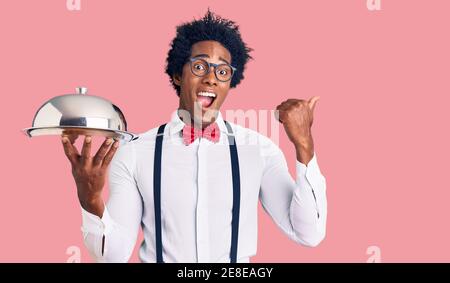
211 133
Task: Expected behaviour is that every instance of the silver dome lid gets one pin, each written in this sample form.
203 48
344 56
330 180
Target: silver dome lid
80 114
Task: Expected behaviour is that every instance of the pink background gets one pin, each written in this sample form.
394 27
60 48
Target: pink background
379 127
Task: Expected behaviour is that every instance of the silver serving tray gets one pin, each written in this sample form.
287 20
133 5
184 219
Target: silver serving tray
79 131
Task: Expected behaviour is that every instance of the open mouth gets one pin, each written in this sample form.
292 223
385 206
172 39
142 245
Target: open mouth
206 98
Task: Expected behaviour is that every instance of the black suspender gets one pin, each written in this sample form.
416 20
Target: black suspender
236 193
157 192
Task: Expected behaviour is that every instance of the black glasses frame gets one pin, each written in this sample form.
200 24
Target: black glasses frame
192 60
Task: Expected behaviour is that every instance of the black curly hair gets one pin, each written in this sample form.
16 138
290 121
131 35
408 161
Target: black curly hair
210 27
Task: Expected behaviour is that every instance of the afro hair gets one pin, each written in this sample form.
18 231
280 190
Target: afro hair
210 27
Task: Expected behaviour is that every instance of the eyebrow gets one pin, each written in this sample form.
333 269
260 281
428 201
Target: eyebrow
207 56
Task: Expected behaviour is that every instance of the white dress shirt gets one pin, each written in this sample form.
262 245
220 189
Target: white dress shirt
197 196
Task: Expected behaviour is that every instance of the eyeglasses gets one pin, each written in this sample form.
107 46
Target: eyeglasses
200 67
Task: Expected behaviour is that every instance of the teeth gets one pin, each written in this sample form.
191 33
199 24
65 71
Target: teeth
204 93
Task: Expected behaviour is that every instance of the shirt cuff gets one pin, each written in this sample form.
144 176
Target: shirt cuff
302 168
311 172
93 224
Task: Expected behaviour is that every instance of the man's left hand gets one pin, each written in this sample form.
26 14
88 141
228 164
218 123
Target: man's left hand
296 115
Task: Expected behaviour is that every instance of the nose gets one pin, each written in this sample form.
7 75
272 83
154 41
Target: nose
210 77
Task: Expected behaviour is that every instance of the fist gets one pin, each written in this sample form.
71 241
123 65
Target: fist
296 115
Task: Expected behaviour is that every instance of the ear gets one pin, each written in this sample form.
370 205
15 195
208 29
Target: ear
176 79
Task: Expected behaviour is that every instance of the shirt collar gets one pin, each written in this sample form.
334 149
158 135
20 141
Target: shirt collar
176 125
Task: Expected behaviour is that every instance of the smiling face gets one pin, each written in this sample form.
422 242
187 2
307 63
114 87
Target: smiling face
203 96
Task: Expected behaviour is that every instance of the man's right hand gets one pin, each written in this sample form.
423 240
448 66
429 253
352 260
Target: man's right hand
89 171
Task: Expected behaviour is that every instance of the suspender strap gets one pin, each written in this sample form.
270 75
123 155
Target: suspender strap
236 194
157 192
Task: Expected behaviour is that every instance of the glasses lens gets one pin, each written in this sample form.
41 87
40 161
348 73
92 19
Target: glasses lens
224 72
199 67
